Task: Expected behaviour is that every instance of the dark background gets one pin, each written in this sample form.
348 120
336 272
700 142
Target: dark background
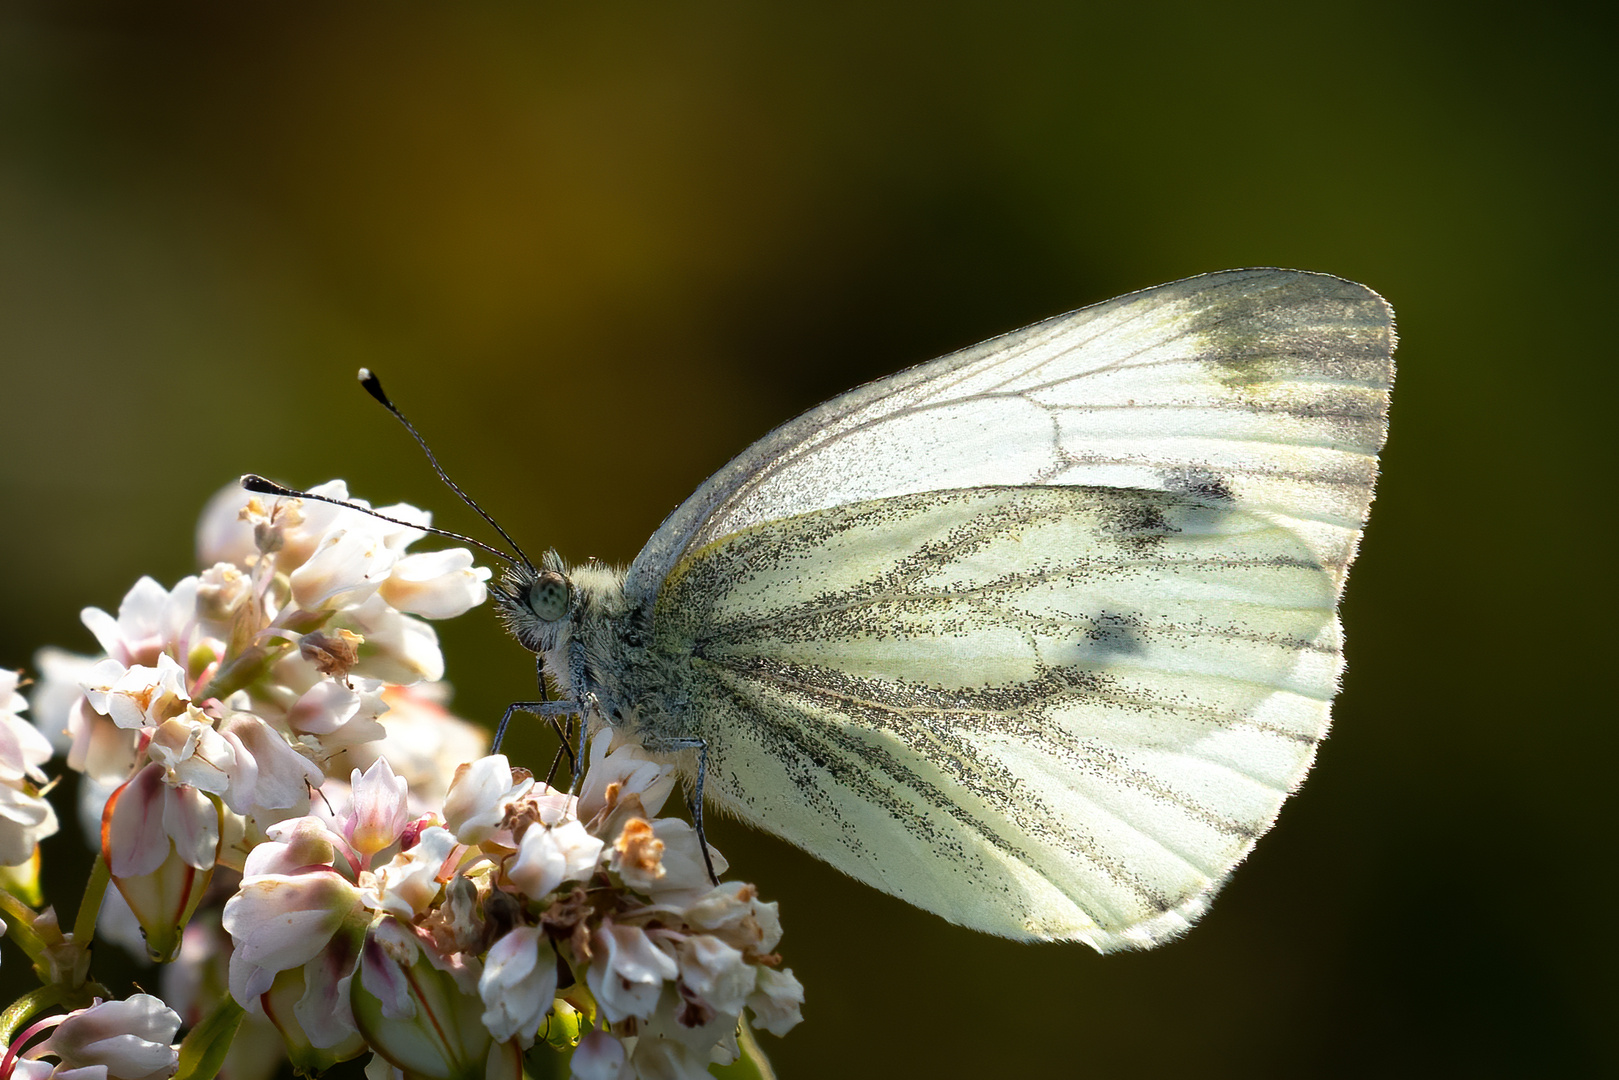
597 249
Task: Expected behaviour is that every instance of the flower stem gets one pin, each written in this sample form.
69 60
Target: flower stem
26 1007
20 925
84 923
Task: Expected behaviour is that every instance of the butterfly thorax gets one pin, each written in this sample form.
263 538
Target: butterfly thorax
594 649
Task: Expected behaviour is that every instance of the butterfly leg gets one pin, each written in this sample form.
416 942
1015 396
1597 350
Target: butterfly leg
550 710
695 802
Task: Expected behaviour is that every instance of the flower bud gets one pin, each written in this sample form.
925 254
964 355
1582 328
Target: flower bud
161 843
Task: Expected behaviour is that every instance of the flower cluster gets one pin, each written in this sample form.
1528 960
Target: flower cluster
220 705
286 809
370 926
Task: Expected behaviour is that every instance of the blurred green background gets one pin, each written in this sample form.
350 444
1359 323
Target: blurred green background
595 250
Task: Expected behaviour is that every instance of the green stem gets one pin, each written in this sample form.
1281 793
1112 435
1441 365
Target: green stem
26 1008
84 923
20 925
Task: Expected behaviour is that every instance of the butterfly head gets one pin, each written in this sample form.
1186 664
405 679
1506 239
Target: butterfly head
536 603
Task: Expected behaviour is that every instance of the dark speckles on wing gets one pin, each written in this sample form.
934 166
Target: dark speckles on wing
894 653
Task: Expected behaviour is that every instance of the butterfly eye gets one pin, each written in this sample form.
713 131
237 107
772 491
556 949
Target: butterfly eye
548 596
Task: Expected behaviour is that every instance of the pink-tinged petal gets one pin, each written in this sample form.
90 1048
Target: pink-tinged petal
297 844
146 696
104 628
223 536
714 973
413 1014
425 743
22 750
192 752
324 708
127 1040
599 1056
684 874
282 1007
734 913
191 820
630 768
100 750
98 681
25 820
163 903
270 773
518 982
279 921
409 884
132 834
398 648
379 809
323 1012
505 1062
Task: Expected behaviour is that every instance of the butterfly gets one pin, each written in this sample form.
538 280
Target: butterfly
1037 636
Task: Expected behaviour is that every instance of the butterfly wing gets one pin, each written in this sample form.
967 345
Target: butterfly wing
1039 635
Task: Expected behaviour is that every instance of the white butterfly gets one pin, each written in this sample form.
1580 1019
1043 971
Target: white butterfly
1037 636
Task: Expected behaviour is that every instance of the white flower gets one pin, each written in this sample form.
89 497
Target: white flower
664 860
138 696
549 855
399 648
150 621
152 818
339 715
269 775
192 752
22 748
424 743
715 973
25 820
124 1040
345 569
479 797
518 982
407 886
222 590
26 817
776 1000
378 810
632 771
436 584
628 971
281 921
733 912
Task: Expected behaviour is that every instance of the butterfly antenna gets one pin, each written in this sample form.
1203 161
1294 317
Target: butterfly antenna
260 486
373 386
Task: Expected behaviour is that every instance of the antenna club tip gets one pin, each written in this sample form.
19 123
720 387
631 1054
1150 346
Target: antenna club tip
373 386
259 485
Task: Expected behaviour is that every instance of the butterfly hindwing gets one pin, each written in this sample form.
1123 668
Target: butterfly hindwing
1042 712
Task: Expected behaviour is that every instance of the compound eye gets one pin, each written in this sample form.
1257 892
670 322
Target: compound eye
548 596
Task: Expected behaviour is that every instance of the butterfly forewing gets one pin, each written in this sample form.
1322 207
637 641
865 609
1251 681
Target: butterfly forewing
1269 386
1039 636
